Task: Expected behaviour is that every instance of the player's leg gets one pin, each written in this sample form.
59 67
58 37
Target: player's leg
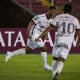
20 51
40 44
62 57
16 52
55 55
44 58
59 68
55 62
44 54
54 65
28 50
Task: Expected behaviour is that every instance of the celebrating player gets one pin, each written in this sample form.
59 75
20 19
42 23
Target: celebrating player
38 24
66 25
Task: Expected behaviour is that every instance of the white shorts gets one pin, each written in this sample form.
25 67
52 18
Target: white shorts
33 44
61 51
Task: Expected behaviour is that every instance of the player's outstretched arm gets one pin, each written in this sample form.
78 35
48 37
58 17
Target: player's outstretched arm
28 30
44 33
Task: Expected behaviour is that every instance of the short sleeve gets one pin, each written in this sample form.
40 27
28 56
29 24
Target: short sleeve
36 19
77 26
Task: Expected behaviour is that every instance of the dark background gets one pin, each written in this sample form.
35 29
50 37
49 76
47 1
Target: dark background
12 16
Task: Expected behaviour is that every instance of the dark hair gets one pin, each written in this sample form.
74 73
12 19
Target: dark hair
67 8
52 7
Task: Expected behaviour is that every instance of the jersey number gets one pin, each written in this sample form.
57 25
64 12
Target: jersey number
67 28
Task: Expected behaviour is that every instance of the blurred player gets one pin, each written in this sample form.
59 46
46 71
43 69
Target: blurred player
38 24
66 25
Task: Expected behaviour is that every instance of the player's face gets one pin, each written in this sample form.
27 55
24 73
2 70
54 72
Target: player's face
52 12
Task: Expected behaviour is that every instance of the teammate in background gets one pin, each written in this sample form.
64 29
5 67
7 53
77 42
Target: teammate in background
66 25
38 24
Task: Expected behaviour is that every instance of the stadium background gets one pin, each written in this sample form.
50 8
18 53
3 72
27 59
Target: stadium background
15 16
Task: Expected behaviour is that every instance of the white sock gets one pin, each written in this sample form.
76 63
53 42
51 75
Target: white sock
44 57
59 67
19 51
54 66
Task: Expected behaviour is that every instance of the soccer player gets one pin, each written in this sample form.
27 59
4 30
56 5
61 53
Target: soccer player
66 26
38 24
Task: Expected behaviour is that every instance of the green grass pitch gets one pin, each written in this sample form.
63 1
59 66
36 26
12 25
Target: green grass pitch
29 67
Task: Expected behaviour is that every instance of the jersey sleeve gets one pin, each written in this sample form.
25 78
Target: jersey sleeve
77 24
36 19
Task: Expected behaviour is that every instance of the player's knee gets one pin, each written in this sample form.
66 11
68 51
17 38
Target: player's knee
44 49
55 58
27 51
61 59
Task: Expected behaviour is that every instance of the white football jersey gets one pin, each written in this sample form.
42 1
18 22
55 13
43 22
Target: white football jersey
66 25
41 23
